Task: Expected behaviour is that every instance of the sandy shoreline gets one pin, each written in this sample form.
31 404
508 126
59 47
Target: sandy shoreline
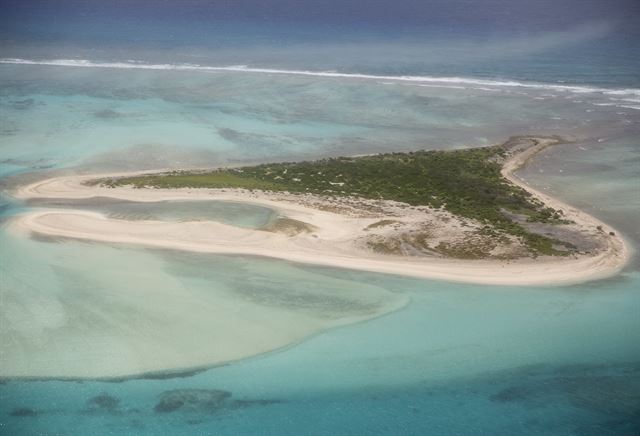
330 244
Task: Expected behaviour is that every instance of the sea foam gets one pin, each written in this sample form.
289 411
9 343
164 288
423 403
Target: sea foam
478 83
615 97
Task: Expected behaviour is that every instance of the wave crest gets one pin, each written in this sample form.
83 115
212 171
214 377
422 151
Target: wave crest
480 84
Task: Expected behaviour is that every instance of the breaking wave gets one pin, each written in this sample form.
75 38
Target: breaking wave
457 82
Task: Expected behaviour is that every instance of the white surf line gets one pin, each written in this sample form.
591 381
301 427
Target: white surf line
83 63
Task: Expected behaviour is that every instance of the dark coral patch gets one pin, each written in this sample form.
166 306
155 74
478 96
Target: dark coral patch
199 400
23 412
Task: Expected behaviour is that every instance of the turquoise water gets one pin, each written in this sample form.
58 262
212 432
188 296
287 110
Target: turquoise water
458 359
227 212
106 118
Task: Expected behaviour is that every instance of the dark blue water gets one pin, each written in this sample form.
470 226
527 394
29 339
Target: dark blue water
577 41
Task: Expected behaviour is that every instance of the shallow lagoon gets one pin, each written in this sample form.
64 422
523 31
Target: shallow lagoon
227 212
566 364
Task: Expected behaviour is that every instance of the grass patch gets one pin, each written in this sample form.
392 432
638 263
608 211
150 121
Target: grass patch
183 179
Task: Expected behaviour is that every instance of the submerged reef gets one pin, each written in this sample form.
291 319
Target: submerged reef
203 401
23 412
103 402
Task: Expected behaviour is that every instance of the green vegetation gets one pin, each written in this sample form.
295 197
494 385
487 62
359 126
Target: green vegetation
184 179
467 183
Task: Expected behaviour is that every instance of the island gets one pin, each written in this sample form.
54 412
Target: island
460 215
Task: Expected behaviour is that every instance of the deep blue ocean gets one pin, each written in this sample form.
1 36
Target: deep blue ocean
89 86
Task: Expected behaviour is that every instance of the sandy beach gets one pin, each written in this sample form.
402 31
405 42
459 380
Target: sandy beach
332 241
